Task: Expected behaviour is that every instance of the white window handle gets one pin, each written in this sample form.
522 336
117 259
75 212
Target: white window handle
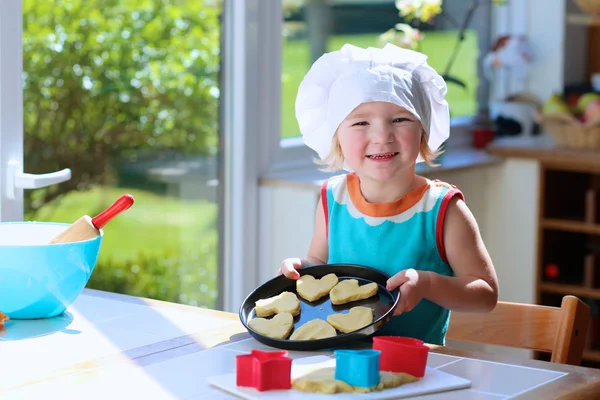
17 179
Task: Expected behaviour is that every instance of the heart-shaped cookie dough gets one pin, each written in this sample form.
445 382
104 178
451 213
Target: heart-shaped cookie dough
314 329
357 318
278 327
284 302
348 290
312 289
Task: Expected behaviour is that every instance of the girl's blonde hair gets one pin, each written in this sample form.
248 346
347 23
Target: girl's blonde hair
334 161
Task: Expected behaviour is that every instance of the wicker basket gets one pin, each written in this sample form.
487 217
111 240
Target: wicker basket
572 133
589 6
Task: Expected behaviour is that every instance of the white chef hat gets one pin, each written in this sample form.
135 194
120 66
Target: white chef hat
341 80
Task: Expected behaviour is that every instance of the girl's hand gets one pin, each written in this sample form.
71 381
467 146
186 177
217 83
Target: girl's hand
412 288
289 267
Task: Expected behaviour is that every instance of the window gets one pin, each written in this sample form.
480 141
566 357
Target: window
169 100
126 94
310 28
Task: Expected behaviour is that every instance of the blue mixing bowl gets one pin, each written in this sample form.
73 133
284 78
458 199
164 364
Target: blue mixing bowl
37 279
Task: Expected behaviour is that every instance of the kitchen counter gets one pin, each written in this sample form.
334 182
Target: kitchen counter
110 346
542 148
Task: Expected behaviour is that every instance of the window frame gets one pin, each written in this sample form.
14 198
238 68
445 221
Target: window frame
250 117
11 105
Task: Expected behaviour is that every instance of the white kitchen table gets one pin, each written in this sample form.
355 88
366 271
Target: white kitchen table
112 346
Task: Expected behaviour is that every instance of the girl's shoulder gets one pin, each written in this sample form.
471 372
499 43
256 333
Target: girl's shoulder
335 183
439 188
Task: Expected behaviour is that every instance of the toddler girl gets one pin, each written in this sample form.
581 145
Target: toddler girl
375 113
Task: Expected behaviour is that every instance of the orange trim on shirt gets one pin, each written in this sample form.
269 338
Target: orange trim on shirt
383 209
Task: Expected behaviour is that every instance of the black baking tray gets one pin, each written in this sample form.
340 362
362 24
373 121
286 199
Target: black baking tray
383 305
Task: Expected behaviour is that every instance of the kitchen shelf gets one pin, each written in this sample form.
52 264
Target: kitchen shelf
575 290
568 256
591 355
571 226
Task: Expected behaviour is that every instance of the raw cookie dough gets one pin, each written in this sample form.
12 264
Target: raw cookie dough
323 381
284 302
394 379
312 289
357 318
278 327
314 329
348 290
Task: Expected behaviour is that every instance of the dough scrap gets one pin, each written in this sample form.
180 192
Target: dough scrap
323 381
312 289
314 329
357 318
348 290
284 302
278 327
391 380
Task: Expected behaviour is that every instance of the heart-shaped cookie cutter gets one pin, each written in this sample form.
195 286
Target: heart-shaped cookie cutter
402 354
357 367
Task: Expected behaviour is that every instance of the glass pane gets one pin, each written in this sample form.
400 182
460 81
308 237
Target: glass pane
312 27
126 94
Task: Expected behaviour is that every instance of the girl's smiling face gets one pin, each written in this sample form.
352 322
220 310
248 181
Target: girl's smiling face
380 140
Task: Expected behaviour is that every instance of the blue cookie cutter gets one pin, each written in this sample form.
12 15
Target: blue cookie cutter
357 367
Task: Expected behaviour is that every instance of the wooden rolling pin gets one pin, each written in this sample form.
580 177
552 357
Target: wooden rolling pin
88 228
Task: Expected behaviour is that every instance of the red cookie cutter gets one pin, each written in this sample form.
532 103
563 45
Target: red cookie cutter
402 354
264 370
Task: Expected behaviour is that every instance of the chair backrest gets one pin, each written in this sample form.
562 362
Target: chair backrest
560 331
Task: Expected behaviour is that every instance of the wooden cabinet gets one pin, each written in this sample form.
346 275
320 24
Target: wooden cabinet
568 259
567 244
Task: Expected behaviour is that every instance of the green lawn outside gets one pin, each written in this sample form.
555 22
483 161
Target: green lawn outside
437 45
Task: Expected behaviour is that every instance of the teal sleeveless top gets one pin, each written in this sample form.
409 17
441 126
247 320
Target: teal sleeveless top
391 237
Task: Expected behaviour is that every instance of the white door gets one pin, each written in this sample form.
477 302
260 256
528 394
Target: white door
12 177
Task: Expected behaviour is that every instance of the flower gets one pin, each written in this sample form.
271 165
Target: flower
402 35
423 10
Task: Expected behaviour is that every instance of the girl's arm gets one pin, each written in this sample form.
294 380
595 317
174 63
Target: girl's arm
475 285
318 252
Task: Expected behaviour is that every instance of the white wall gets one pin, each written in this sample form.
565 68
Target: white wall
287 225
511 227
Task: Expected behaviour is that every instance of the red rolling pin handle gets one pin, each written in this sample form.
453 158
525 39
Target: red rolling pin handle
122 204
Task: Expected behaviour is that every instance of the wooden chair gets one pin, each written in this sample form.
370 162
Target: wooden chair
560 331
